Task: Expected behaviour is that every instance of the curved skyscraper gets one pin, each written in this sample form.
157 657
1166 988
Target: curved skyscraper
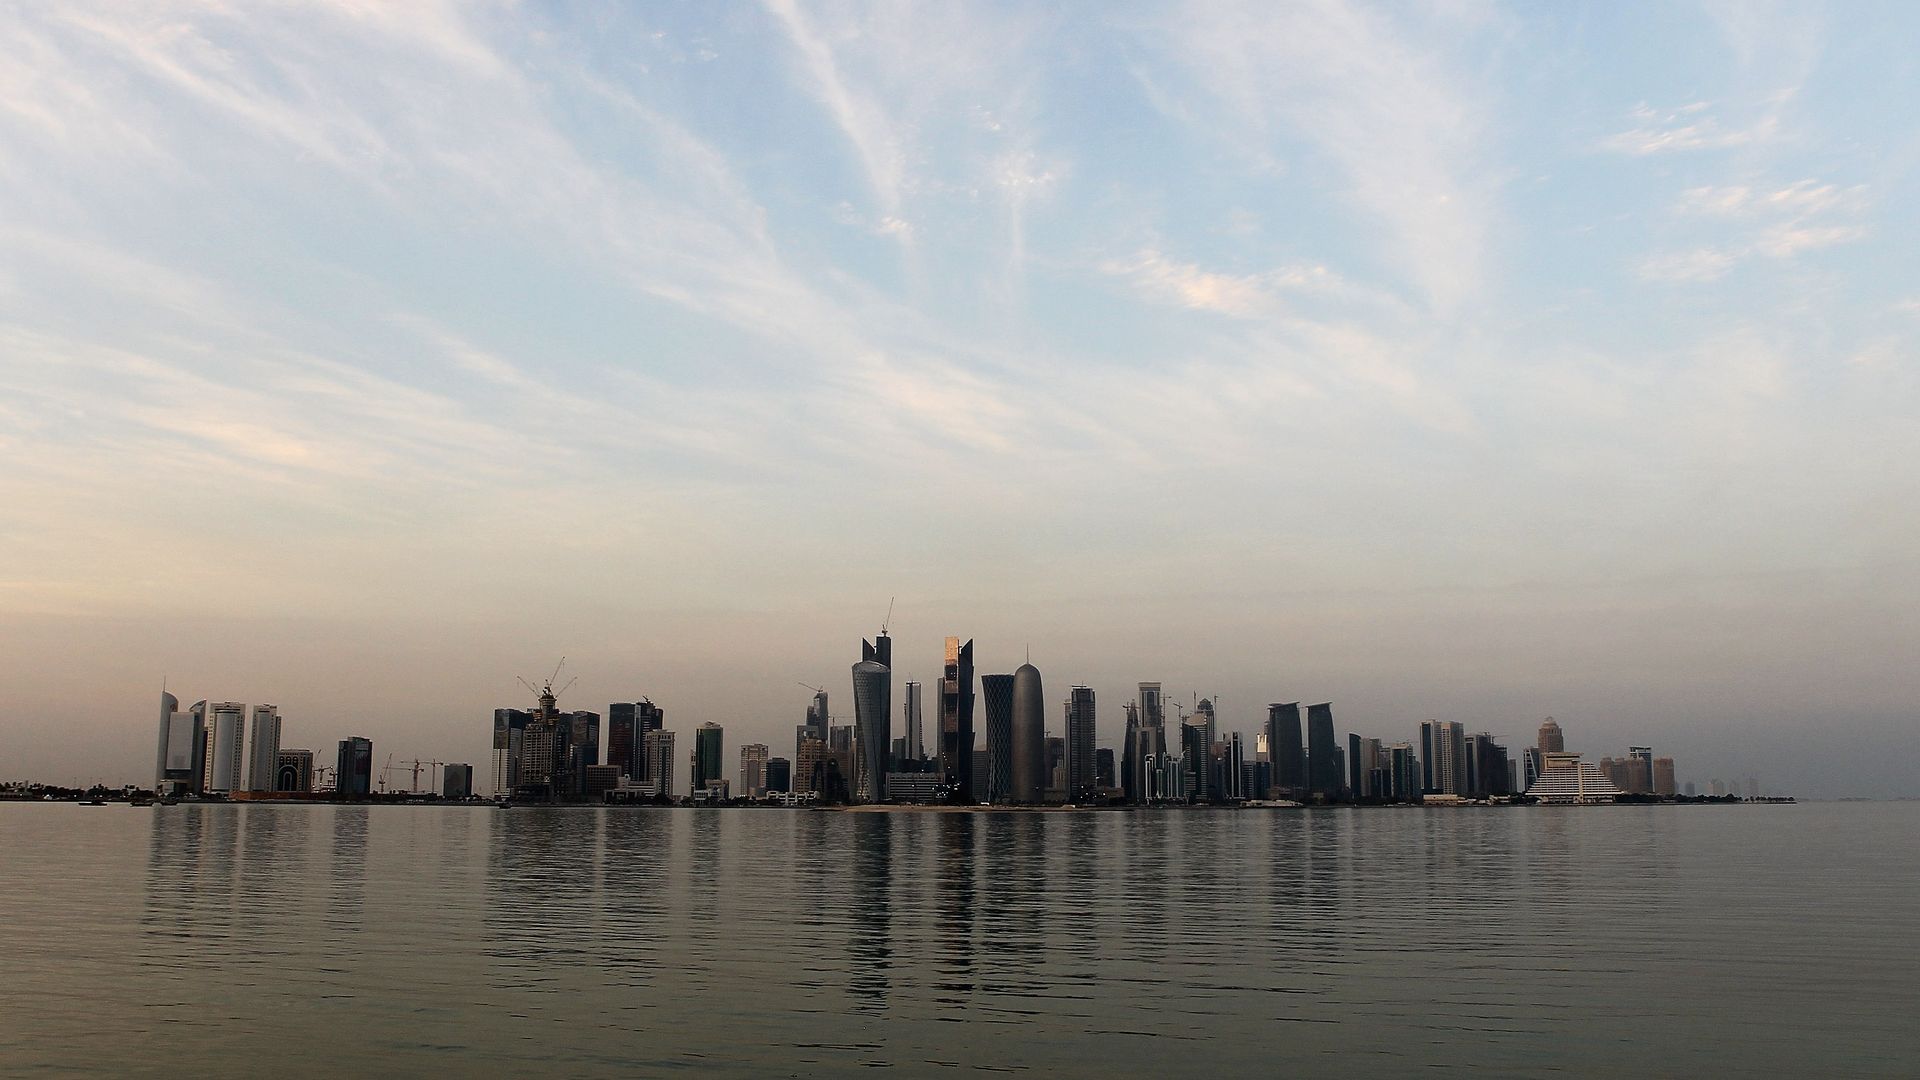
1029 736
997 690
873 738
176 769
1323 764
956 722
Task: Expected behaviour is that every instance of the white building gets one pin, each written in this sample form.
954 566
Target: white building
263 759
1566 780
226 743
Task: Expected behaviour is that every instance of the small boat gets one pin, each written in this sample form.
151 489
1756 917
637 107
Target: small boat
139 802
93 802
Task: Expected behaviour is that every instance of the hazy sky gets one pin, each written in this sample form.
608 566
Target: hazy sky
1464 361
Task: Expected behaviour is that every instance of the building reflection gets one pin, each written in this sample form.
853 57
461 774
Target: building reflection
870 950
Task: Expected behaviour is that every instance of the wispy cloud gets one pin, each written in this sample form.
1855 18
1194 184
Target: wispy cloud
1776 223
1687 128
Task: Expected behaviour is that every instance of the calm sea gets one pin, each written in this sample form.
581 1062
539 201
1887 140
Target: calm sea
1767 941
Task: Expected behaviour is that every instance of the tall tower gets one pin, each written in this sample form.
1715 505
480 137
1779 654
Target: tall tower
1029 736
263 757
1283 744
997 692
910 717
1552 739
872 715
956 721
706 755
1080 735
1323 768
226 760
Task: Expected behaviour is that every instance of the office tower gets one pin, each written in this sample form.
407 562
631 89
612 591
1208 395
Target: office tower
810 765
1079 726
818 718
226 762
910 719
1140 768
1323 766
706 755
1029 736
1055 754
1403 773
1487 770
1531 759
293 771
263 755
1283 743
178 764
1153 706
1104 776
1130 763
657 748
1448 739
1552 739
981 766
509 733
779 775
1236 760
1426 757
873 719
1640 770
1195 756
1691 790
996 692
956 721
353 767
621 721
753 770
456 781
1205 712
1663 776
1615 770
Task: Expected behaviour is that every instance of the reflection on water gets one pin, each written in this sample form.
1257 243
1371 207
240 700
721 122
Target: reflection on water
574 942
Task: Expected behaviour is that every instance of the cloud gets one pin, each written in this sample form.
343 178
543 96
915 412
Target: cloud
1773 223
1687 128
1245 296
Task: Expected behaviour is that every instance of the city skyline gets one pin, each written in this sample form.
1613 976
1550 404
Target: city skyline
1479 362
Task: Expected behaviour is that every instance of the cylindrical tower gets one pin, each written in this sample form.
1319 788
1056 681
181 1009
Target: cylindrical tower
1029 736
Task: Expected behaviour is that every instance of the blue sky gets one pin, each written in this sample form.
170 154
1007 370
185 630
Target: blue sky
1460 360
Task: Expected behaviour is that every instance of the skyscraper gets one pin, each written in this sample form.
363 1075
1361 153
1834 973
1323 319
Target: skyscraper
1029 734
1283 744
706 756
226 761
1640 770
263 757
294 771
1104 774
997 693
657 747
911 720
872 719
353 767
779 775
620 736
1080 746
1552 739
178 764
1153 707
1663 776
1448 739
753 770
1323 765
956 721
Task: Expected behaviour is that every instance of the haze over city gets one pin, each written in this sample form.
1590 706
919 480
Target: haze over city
1472 363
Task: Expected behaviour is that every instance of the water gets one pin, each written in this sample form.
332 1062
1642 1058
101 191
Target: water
311 940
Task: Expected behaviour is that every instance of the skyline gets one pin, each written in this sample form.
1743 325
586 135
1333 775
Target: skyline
1477 363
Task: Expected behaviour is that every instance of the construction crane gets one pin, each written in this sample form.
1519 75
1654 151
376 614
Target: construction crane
431 779
815 689
545 691
384 769
888 621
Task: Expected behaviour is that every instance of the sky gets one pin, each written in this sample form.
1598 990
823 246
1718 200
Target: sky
1458 361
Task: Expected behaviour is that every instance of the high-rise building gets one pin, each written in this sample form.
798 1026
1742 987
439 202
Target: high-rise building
353 767
1131 771
621 722
456 781
810 765
753 770
1205 713
1196 745
179 763
1552 739
1283 743
911 720
706 755
657 747
956 721
1104 776
263 756
1488 773
996 692
779 775
226 761
1323 765
1029 734
1663 776
1640 770
509 735
1447 741
293 771
1566 779
1153 706
872 719
1080 743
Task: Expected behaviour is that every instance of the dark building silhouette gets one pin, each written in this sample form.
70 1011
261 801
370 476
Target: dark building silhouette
1323 755
620 728
353 767
996 692
1029 736
707 764
779 775
873 718
1283 750
1079 725
1195 759
956 721
1103 772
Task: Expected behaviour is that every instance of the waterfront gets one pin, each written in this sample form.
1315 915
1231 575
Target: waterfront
305 940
